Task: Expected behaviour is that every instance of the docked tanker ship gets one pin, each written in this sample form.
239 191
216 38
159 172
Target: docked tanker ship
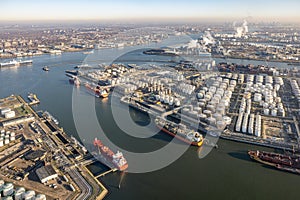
97 91
75 80
289 163
117 159
179 131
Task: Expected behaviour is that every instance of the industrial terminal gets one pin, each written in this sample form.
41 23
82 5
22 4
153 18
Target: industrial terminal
258 108
38 159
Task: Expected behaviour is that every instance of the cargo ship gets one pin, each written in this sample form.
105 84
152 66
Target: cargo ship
180 132
117 159
14 63
97 91
25 62
75 80
289 163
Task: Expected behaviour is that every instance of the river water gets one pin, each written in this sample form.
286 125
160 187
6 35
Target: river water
226 173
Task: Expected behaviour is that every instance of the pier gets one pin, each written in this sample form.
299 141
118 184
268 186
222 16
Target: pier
107 172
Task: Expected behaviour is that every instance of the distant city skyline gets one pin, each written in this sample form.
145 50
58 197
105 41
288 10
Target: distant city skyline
154 10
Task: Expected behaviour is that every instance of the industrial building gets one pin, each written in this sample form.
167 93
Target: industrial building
46 173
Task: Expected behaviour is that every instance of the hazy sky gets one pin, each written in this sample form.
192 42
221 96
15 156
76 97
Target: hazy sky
16 10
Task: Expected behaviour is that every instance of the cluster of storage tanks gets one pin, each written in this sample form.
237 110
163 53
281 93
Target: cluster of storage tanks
245 123
118 71
168 99
6 137
213 100
265 93
10 193
296 90
130 84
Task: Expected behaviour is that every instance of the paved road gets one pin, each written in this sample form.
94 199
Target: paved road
86 189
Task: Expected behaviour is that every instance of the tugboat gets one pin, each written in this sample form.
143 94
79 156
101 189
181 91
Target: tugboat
46 68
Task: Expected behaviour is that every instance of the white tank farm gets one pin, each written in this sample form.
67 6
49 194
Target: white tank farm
1 142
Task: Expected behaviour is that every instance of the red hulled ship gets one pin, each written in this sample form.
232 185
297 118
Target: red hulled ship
117 159
290 163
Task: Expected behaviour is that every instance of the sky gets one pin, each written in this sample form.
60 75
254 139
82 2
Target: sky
122 10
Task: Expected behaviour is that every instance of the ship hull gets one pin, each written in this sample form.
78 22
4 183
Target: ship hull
109 156
275 161
180 138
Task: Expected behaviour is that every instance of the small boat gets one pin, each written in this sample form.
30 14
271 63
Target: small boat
88 52
46 68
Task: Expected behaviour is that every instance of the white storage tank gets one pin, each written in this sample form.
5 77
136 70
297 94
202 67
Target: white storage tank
245 123
29 195
19 194
177 102
198 109
201 104
227 120
266 111
207 113
200 96
211 108
221 125
211 121
6 141
274 112
202 117
40 197
218 116
8 189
